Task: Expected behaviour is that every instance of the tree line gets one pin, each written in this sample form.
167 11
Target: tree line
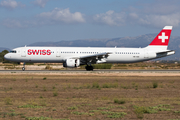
2 56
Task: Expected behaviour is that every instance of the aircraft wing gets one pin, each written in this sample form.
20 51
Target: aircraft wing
93 58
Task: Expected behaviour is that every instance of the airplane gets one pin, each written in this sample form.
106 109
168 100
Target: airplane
73 57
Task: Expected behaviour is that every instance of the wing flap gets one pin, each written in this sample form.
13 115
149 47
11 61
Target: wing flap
93 58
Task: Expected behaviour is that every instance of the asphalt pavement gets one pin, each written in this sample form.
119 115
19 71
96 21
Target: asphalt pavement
94 71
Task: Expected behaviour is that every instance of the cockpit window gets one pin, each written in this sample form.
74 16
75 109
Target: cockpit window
13 51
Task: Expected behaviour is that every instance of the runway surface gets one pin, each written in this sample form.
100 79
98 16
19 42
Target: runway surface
95 71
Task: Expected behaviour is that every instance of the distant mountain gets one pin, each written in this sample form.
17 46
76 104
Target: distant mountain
1 49
139 41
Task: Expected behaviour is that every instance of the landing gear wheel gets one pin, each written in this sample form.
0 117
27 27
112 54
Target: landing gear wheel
23 68
89 68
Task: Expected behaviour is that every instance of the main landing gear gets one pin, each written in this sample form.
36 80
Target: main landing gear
89 68
23 68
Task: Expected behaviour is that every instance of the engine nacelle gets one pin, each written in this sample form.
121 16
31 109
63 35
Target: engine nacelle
71 63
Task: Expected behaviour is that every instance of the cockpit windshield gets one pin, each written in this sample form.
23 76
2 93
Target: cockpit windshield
13 51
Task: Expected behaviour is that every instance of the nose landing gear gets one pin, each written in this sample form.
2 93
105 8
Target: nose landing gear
23 68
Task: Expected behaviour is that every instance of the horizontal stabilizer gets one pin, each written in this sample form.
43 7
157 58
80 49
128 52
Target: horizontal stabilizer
165 53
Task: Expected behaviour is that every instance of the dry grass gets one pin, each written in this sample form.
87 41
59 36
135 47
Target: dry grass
77 97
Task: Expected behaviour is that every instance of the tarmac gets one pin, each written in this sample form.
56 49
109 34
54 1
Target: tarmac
95 72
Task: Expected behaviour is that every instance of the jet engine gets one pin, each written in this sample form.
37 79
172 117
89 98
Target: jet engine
71 63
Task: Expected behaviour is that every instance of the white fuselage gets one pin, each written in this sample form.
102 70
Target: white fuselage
60 54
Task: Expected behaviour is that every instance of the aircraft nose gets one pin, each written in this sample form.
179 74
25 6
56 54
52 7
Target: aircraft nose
6 56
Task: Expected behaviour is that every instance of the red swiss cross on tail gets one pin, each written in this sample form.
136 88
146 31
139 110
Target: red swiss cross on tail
162 39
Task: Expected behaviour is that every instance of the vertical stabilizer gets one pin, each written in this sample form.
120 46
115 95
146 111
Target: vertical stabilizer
162 39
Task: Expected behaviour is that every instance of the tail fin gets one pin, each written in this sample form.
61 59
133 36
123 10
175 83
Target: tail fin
162 39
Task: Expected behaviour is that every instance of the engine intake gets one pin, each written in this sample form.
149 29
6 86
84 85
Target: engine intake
71 63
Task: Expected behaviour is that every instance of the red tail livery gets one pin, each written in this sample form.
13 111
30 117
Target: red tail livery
162 39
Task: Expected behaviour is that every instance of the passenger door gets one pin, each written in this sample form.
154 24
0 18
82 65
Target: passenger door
58 52
146 54
23 52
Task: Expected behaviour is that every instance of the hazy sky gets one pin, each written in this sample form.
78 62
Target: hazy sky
23 22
